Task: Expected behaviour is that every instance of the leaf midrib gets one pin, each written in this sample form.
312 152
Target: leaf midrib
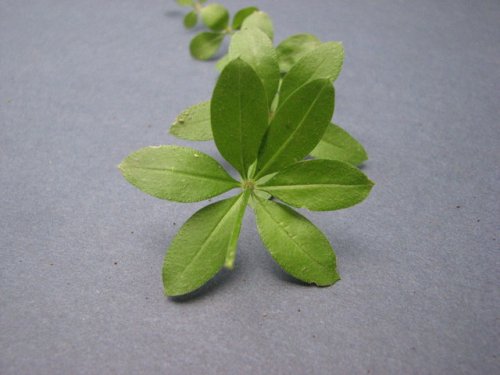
298 245
207 238
289 139
186 173
302 186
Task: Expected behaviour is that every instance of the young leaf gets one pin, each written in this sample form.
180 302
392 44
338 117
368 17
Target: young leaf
293 48
185 3
190 20
255 48
205 45
337 144
176 173
241 15
297 126
260 20
193 123
319 185
324 62
295 243
199 249
215 17
239 114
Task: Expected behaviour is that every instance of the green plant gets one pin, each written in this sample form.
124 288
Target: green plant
296 60
215 17
264 136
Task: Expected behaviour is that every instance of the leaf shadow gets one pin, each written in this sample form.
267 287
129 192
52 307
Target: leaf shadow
174 13
218 282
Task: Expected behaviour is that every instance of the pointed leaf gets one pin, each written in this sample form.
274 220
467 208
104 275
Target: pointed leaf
293 48
319 185
190 20
176 173
297 126
199 249
205 45
239 114
193 123
241 15
260 20
295 243
337 144
324 62
255 48
215 16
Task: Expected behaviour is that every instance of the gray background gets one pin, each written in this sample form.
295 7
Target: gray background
84 83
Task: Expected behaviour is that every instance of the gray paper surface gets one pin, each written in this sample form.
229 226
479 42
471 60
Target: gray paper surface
84 83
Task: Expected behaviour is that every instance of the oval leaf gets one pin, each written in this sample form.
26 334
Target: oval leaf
193 123
176 173
295 243
293 48
199 249
255 48
324 62
297 126
205 45
241 15
190 20
319 185
239 114
215 17
337 144
261 21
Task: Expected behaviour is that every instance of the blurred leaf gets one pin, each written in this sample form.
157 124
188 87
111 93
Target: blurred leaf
260 20
293 48
205 45
241 15
215 17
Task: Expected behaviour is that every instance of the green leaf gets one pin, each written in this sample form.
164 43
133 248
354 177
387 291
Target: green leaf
193 123
239 114
260 20
324 62
255 48
319 185
235 230
241 15
295 243
293 48
337 144
176 173
297 126
199 249
190 20
205 45
215 16
185 3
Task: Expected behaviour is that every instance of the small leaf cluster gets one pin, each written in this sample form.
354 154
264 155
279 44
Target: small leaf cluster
269 110
216 18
